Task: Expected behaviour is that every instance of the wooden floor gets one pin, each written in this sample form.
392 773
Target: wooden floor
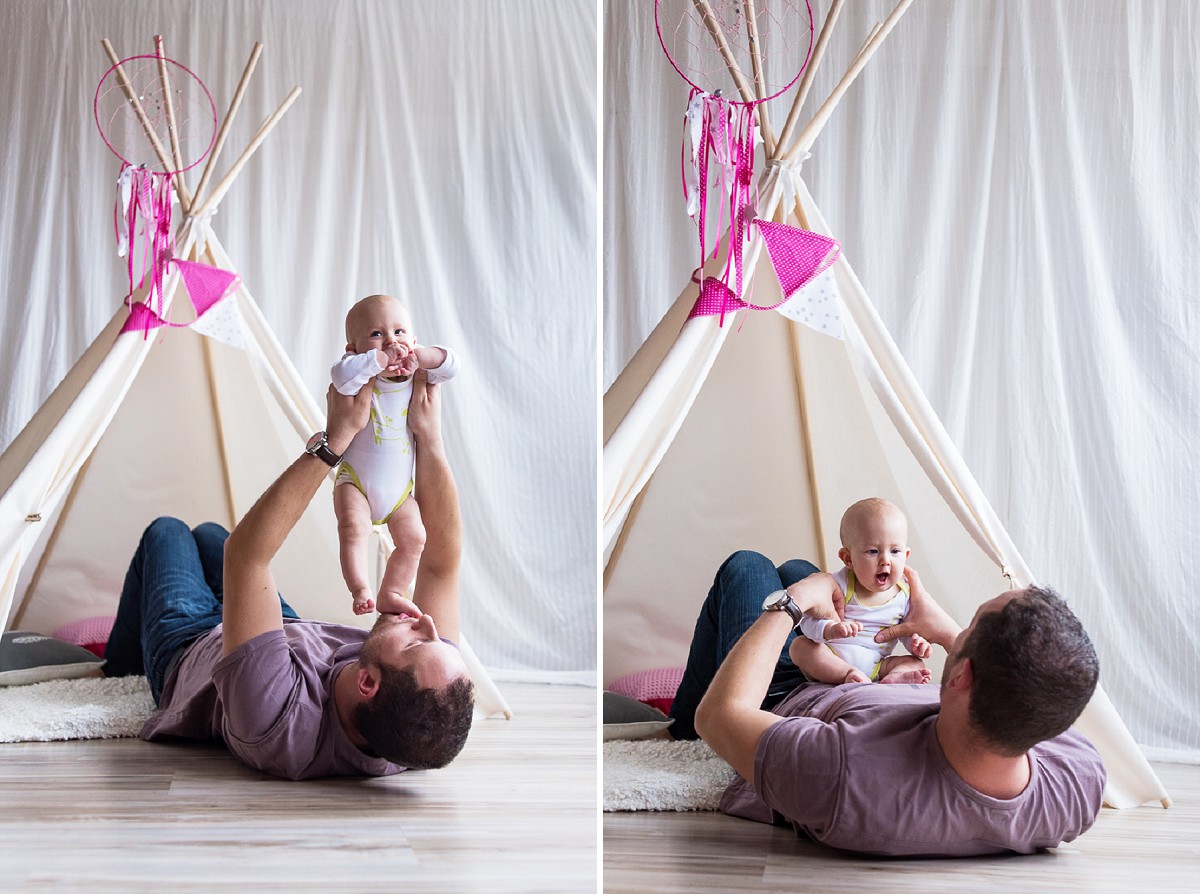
515 812
1147 849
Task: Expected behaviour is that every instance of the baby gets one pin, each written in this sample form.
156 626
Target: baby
874 536
374 483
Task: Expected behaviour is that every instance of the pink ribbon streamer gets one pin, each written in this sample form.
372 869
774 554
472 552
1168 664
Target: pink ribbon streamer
726 136
150 204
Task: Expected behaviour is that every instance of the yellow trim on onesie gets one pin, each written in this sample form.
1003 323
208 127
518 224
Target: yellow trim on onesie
347 475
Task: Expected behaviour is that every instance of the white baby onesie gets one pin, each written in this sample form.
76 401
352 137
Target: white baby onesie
861 651
379 461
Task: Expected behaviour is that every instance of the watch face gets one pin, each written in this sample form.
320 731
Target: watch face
315 440
774 601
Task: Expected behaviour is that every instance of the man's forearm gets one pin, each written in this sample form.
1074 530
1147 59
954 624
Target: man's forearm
261 532
437 575
730 717
744 676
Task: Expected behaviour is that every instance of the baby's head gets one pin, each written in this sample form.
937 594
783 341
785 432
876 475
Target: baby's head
874 537
376 322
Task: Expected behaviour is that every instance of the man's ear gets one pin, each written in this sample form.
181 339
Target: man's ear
961 676
366 682
844 555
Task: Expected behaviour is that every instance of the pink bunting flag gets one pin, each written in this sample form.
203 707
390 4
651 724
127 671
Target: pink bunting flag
797 255
205 287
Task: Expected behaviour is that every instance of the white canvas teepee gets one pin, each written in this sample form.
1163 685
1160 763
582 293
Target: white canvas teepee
757 435
178 423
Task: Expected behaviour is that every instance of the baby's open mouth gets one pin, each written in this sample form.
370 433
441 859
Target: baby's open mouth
882 578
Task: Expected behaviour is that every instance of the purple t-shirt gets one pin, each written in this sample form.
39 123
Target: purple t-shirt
859 767
270 701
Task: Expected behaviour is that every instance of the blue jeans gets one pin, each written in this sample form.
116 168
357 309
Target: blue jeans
734 602
172 596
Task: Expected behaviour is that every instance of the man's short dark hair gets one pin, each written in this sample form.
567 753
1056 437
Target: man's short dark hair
1033 670
421 729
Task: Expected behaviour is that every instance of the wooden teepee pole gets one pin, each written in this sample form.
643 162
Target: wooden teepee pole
718 35
185 197
234 105
221 188
806 82
809 135
760 92
123 80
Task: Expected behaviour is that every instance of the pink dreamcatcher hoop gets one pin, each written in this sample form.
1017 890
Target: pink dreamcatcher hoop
160 120
720 48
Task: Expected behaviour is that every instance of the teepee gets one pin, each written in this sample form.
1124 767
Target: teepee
194 421
756 434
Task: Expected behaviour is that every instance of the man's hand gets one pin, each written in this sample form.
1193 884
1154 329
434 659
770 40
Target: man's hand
819 596
425 410
346 415
925 618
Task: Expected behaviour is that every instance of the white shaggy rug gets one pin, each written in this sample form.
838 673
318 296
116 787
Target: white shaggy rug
90 708
663 774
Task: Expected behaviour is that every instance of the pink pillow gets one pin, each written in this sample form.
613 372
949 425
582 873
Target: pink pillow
652 687
91 633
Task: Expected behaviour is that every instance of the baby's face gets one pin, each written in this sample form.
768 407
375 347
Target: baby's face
877 552
377 324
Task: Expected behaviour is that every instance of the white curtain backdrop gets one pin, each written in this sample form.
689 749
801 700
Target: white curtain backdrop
441 151
1014 181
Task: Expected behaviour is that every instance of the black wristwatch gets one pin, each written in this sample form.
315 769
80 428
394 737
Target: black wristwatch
780 601
318 446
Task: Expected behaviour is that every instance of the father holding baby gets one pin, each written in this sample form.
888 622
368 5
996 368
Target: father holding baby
200 616
984 764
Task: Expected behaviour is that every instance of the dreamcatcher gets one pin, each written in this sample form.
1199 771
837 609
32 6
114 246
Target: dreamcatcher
160 120
736 55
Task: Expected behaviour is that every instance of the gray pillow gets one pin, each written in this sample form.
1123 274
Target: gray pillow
34 657
627 718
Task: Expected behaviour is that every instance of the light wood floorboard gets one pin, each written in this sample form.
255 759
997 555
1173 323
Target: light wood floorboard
516 812
1147 849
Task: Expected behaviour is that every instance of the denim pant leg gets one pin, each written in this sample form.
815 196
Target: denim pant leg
166 603
210 543
734 602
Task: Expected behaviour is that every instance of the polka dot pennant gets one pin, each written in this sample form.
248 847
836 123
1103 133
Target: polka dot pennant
817 304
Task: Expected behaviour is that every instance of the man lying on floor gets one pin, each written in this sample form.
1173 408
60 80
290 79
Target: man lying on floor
201 618
986 764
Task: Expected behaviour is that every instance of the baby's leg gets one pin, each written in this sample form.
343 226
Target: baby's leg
408 535
354 530
818 662
903 669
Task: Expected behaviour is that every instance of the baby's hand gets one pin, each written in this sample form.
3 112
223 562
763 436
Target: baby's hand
409 364
919 646
842 629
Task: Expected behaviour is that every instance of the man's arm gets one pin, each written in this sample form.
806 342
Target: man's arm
436 591
729 717
251 601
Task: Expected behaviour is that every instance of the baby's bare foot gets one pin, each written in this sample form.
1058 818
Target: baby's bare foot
909 676
854 675
363 603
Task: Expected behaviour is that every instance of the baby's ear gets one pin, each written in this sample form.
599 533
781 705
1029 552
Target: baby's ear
350 348
844 555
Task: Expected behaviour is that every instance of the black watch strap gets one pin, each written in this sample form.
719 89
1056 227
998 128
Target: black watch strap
318 446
